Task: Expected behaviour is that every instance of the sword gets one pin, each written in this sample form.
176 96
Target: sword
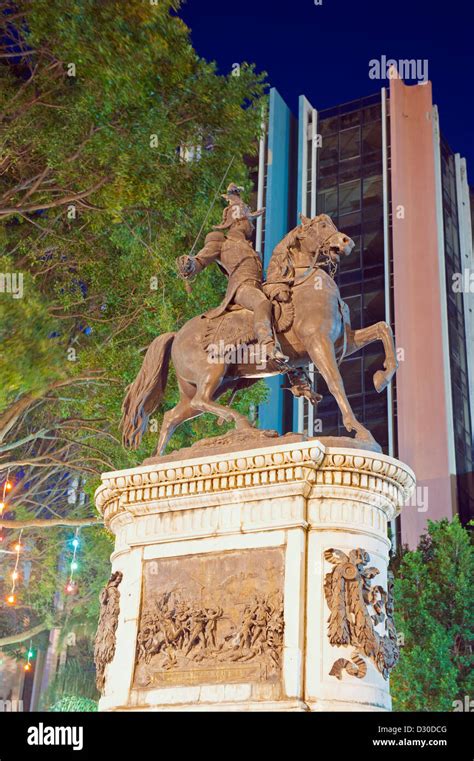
182 259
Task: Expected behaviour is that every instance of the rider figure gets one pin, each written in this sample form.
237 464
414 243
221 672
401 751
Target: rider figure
235 255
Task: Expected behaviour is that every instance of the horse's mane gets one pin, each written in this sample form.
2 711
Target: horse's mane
281 264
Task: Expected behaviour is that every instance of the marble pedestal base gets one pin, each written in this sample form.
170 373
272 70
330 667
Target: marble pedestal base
232 565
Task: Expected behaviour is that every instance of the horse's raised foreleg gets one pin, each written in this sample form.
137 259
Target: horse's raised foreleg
381 331
203 400
321 351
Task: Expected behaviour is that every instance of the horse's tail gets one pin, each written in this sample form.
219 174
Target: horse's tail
146 391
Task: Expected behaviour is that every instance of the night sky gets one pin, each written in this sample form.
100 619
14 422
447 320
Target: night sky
324 51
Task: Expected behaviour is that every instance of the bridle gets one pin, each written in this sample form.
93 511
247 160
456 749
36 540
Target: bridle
324 250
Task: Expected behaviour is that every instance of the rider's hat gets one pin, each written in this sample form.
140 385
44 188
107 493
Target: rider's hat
233 192
236 209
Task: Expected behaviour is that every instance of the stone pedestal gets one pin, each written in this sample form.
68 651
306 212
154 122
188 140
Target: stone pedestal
255 580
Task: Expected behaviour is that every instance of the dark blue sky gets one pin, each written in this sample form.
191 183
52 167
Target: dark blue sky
323 51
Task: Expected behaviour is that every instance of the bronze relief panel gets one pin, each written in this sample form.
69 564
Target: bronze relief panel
211 619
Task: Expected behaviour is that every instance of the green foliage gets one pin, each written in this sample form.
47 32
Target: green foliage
136 79
96 203
434 608
75 703
74 677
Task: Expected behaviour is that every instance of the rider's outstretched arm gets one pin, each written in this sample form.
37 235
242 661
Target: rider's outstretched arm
209 253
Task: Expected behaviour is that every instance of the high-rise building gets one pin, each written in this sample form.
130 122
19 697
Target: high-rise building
381 169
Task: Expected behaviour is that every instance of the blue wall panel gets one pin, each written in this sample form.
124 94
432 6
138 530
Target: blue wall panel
276 227
302 104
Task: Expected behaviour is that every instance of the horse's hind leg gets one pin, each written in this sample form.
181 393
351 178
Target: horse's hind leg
381 331
207 388
179 414
321 351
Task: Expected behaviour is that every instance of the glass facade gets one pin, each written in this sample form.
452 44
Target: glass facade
350 189
457 337
342 158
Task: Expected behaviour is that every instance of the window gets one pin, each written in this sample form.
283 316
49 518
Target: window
328 151
355 307
329 125
350 119
349 143
327 202
373 191
349 197
352 261
372 139
372 113
349 170
190 153
351 372
374 306
373 247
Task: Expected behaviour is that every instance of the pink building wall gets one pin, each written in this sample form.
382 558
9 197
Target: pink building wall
423 393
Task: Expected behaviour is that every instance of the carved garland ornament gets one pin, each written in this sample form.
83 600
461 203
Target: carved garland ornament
104 647
349 594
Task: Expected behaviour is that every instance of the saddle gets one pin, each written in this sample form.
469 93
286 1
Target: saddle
235 327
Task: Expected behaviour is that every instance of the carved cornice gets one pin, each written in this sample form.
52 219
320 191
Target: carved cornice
304 468
158 485
376 473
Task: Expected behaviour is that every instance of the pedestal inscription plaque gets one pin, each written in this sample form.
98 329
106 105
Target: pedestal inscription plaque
211 619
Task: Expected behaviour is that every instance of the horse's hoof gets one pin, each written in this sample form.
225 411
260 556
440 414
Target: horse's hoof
380 381
367 438
243 425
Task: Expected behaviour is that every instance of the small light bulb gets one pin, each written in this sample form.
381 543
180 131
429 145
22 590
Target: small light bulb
8 485
30 653
11 599
75 543
74 565
27 666
70 588
2 505
15 575
18 547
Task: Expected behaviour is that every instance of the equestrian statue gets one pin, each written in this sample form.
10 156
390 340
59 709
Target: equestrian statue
279 326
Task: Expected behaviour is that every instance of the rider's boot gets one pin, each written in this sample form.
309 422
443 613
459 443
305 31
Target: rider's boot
266 337
274 354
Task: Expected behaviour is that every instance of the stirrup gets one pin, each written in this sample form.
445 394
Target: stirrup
278 359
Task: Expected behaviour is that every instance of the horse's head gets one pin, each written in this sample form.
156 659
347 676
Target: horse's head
320 235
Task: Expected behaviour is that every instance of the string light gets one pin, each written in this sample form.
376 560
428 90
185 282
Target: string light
30 654
7 485
11 599
71 585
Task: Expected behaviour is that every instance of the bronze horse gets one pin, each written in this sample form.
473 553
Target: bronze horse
320 333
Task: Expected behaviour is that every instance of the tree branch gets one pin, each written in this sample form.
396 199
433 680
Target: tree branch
49 522
28 634
8 210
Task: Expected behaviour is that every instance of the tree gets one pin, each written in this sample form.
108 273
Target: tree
115 139
434 605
